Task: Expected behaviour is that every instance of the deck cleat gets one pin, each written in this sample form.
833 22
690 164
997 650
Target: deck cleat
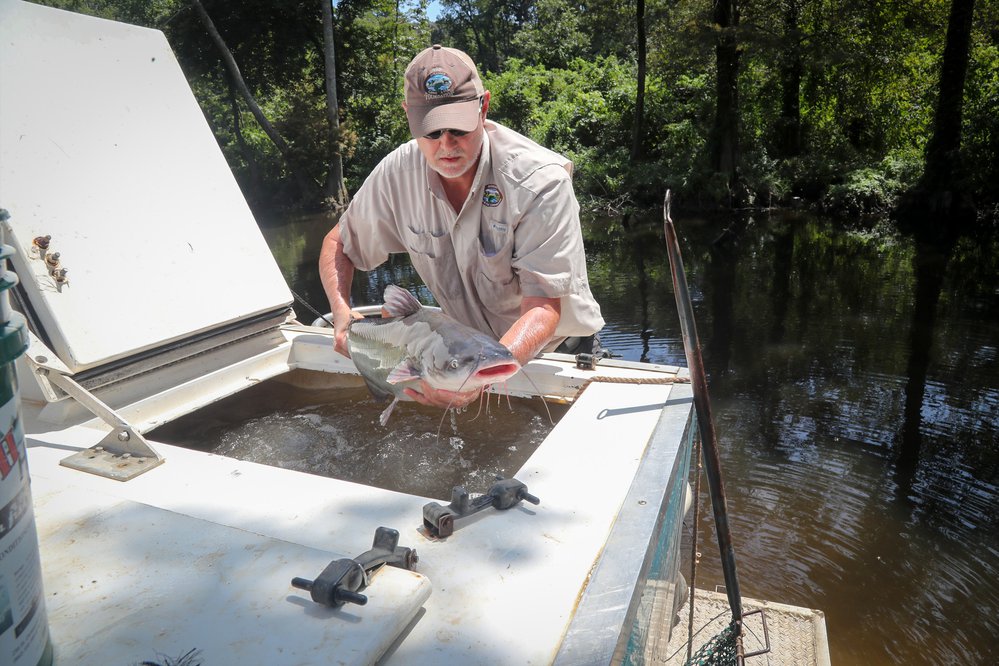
341 580
506 493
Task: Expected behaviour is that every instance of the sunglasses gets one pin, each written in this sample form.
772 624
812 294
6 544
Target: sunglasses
433 136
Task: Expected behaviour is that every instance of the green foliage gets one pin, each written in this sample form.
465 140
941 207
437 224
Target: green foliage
149 13
863 193
564 72
872 192
375 42
586 112
581 112
482 28
981 123
253 158
553 37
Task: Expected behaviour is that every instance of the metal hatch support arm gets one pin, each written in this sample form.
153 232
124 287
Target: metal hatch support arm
123 454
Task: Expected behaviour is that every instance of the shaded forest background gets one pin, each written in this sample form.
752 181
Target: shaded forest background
827 103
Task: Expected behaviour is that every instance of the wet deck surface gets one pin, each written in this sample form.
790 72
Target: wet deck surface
797 636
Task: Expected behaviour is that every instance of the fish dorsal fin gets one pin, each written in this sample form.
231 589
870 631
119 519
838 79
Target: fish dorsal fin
403 372
399 302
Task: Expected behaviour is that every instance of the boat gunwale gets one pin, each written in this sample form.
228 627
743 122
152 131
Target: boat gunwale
601 627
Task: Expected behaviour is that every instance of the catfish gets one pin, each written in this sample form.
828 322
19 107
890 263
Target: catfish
414 344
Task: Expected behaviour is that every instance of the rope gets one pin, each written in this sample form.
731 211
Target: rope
639 380
310 308
693 547
632 380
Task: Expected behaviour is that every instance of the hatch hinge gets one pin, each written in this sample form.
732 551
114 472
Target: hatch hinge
123 454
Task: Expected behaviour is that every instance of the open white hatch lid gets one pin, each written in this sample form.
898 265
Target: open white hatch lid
104 148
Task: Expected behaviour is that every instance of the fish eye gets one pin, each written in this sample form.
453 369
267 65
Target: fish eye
453 363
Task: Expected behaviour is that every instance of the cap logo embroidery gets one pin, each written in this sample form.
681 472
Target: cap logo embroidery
438 84
492 197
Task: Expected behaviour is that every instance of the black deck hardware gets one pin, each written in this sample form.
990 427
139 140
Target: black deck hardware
340 581
586 361
505 493
766 634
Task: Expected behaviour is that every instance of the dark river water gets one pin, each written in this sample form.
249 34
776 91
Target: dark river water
855 388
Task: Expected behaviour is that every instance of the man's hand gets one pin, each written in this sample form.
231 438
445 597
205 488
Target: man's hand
427 395
341 325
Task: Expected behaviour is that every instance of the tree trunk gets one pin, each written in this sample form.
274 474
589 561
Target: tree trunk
637 129
943 149
939 208
472 16
306 188
334 190
725 135
791 69
244 150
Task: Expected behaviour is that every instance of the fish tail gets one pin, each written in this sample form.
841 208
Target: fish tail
384 417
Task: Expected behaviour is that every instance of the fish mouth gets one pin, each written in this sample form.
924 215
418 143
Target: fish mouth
497 372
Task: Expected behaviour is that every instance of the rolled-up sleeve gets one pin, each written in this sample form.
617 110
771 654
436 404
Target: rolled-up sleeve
368 228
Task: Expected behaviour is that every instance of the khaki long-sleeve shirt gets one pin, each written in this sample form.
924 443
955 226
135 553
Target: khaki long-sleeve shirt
517 235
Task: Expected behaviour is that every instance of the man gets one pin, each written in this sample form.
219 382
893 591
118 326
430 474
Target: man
488 218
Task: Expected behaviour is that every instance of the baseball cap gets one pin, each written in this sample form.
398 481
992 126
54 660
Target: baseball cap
442 91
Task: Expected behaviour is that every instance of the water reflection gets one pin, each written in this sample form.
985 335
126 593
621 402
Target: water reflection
930 263
825 426
857 415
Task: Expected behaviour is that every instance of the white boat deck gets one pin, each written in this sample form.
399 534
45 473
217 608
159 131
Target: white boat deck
127 582
218 541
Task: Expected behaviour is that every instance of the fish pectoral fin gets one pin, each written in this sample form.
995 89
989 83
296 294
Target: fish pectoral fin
384 417
404 372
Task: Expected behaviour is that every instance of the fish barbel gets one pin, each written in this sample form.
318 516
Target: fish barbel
414 344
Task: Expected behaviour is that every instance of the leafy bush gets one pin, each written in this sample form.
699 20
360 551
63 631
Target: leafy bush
584 113
981 127
863 193
587 113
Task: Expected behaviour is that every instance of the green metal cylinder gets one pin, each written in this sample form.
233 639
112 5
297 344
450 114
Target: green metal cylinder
24 629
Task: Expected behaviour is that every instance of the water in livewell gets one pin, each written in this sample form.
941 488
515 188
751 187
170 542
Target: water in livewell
335 433
857 413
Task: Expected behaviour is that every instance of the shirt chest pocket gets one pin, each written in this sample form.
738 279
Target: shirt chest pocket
495 279
428 241
431 252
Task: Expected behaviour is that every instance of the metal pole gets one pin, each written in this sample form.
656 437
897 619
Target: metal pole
705 422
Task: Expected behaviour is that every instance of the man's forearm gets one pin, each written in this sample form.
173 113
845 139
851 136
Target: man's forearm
336 271
535 328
